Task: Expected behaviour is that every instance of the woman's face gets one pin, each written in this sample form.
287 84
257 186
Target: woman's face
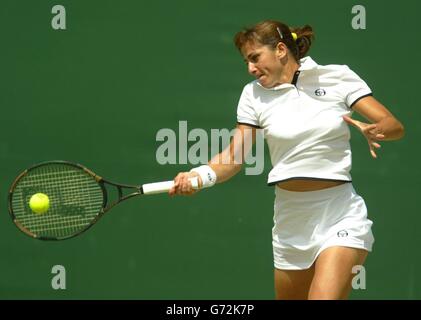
263 63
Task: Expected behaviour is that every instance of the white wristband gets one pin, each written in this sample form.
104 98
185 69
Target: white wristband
207 175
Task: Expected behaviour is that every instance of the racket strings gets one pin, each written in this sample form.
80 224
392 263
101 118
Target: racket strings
75 197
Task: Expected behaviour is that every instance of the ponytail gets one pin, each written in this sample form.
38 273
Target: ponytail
305 37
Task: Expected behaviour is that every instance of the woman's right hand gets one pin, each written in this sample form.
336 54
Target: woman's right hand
182 185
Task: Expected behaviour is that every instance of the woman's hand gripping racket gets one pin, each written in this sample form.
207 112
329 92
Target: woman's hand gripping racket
57 200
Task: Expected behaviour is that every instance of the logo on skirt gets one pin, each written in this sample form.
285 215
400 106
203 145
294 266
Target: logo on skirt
342 233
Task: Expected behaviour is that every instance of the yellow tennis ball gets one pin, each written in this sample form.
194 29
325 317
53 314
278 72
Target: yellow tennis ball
39 203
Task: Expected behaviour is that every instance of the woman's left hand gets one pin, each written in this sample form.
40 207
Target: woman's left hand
370 131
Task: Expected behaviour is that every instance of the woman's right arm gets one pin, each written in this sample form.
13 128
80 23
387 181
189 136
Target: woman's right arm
225 164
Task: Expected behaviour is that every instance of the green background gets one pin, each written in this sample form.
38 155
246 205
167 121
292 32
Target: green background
98 92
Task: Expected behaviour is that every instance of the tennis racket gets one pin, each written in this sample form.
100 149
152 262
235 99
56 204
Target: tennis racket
77 198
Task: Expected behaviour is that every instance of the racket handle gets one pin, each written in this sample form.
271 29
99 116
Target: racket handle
165 186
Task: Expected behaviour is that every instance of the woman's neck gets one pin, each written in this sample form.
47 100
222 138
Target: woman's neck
288 71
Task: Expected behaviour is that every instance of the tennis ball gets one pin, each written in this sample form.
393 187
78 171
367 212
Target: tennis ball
39 203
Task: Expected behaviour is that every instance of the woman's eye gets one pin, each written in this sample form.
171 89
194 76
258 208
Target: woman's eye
252 59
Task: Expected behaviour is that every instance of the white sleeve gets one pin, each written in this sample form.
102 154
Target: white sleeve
354 87
246 114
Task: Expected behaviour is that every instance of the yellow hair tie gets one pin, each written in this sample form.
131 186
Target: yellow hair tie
294 36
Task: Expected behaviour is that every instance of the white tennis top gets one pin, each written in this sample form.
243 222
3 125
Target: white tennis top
302 121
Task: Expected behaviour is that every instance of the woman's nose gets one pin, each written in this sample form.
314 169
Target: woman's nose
252 68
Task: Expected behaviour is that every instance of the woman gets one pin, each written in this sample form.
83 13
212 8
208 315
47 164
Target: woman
321 230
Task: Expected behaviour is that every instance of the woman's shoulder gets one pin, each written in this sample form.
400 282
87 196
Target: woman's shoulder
251 87
331 68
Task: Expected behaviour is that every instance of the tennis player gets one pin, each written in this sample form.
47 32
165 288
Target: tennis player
321 230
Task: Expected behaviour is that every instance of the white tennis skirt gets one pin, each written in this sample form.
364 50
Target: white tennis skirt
308 222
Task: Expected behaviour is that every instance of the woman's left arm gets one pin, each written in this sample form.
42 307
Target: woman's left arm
384 126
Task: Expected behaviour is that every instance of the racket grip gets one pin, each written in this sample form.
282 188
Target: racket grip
165 186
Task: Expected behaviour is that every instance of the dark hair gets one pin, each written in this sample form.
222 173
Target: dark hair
271 32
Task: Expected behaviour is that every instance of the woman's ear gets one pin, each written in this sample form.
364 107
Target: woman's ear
281 50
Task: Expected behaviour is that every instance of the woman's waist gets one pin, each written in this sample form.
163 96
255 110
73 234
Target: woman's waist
308 184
